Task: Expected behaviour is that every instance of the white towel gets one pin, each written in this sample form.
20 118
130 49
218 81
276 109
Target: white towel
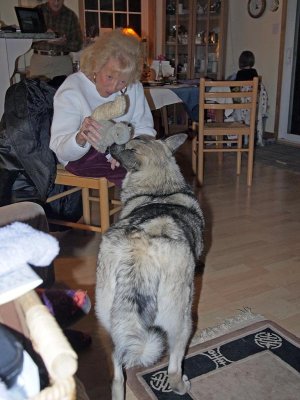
20 244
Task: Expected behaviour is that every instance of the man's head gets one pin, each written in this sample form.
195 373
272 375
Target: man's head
55 5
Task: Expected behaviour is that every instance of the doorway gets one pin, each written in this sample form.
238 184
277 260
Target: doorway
289 120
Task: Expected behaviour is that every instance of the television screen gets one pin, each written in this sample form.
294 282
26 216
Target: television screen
31 20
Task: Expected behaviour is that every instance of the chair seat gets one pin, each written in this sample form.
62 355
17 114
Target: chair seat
107 203
63 176
221 128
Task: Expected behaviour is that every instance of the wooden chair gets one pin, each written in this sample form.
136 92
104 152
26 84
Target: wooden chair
107 204
30 317
224 135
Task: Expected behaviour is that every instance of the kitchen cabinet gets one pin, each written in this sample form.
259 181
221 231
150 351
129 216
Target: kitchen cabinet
194 37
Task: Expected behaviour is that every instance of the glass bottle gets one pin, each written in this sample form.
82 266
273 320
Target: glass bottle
160 76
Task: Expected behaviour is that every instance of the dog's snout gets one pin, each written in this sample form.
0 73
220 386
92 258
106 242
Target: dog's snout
116 149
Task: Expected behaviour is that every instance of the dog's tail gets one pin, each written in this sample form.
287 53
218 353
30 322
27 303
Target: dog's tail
141 348
138 341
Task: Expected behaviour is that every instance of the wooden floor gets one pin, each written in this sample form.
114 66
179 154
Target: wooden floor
252 256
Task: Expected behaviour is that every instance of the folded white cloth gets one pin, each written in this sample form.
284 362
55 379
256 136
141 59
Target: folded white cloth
20 244
167 70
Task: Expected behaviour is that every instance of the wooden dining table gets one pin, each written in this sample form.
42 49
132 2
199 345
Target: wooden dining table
160 97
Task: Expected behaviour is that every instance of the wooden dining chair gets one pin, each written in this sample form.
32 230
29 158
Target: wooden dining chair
31 319
98 190
222 134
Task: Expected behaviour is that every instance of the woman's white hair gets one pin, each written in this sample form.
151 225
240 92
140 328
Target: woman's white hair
124 48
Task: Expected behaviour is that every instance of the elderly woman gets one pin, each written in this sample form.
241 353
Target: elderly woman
109 67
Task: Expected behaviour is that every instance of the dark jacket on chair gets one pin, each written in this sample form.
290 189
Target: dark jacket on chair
27 165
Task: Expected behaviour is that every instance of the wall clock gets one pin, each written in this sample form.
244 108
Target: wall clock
256 8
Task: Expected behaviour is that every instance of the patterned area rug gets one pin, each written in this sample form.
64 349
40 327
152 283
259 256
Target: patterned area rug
258 362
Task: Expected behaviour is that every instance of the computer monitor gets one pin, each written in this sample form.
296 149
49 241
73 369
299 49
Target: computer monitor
31 20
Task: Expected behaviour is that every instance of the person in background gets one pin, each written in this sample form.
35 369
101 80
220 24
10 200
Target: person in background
246 72
246 64
111 66
52 57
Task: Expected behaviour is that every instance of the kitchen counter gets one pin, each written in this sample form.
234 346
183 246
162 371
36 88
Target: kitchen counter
20 35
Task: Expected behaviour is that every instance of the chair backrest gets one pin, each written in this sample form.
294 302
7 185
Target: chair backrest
220 131
227 96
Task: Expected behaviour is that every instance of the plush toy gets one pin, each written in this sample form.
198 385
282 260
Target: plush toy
114 132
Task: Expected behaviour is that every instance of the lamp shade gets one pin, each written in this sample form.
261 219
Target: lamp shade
130 32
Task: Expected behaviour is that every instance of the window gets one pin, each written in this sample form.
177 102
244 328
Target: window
110 14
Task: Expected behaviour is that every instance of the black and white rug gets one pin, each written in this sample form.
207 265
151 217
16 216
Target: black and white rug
258 362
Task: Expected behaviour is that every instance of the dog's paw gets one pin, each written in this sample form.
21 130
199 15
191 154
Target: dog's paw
186 382
117 391
180 385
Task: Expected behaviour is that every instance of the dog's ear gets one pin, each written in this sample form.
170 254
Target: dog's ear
173 142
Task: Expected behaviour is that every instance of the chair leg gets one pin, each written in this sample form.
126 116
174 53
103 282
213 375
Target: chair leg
250 160
239 155
219 115
104 205
194 155
220 154
164 116
200 157
86 206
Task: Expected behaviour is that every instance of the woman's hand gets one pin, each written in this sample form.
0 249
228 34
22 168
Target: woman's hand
61 40
90 132
113 163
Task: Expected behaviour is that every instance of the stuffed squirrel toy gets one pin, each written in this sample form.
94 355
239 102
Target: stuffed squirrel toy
114 132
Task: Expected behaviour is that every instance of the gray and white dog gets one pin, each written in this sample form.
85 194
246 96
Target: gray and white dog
146 262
